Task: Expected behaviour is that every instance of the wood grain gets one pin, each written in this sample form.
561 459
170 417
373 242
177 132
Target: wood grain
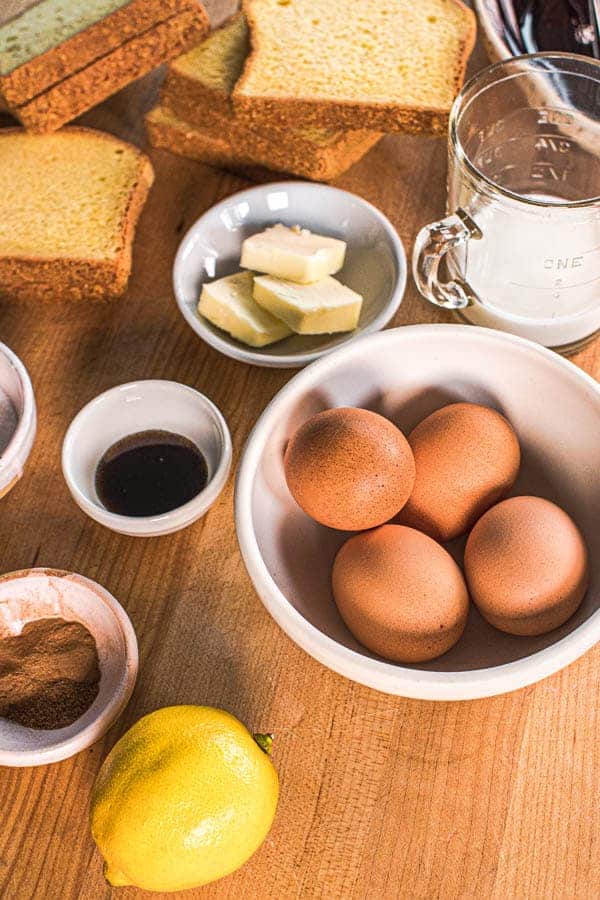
381 797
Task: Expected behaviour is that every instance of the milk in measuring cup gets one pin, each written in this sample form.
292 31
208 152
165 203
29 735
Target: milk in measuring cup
531 265
535 262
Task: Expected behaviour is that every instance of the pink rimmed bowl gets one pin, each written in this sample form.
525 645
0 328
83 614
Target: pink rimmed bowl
50 593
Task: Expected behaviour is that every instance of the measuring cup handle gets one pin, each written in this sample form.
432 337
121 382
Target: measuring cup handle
431 246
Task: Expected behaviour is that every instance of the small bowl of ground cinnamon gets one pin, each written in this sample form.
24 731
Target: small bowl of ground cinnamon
68 665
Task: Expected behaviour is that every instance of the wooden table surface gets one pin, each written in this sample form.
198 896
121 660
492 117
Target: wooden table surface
381 797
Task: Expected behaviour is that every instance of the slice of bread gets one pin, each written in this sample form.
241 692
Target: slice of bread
315 154
45 44
196 118
69 203
199 84
60 59
388 65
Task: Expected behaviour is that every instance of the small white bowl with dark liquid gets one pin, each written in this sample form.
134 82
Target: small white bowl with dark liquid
147 458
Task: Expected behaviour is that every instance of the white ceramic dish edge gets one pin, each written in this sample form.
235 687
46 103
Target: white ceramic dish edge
17 452
488 15
387 677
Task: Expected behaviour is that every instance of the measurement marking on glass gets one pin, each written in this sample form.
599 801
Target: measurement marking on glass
545 171
552 143
552 115
566 287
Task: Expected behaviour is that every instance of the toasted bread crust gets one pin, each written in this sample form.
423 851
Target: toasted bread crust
90 85
61 278
54 65
193 101
285 112
232 145
31 280
323 112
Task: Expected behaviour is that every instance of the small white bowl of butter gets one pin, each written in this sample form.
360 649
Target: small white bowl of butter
350 272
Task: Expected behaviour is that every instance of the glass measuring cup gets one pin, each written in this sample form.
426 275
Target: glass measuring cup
522 238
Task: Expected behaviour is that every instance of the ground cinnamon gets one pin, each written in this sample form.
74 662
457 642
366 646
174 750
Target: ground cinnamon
49 674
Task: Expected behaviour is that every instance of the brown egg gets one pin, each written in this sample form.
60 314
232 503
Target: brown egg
349 468
467 458
526 565
400 593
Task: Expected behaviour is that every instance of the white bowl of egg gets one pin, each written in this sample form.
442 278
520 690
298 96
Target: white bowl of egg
418 511
280 274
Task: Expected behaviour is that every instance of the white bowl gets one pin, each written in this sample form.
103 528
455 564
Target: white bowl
375 261
405 374
143 406
490 19
48 593
17 419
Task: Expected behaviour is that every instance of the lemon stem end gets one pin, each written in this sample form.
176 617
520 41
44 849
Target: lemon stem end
265 742
114 877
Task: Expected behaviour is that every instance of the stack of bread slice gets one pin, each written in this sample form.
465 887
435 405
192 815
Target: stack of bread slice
196 117
309 86
59 58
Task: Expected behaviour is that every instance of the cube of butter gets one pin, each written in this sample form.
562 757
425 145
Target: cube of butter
323 307
229 305
293 253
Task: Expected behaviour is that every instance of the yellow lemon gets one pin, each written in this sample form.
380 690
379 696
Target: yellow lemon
185 797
